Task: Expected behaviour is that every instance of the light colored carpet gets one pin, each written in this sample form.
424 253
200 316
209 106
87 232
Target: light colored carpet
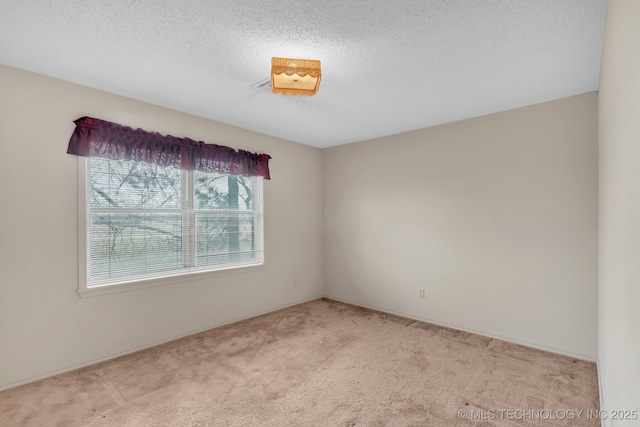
320 363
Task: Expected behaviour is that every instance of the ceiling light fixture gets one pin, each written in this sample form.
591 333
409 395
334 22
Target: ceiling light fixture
291 76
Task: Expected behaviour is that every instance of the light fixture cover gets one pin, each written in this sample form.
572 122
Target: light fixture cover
291 76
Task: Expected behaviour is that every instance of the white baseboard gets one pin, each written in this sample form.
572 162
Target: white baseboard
133 350
603 422
484 334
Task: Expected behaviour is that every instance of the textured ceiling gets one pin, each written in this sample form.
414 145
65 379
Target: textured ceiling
387 66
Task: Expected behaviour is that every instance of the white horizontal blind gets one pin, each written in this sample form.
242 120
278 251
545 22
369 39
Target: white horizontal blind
148 221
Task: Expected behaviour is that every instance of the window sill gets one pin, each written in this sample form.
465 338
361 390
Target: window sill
163 281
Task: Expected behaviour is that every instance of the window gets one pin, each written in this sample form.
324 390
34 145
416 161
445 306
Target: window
145 221
155 208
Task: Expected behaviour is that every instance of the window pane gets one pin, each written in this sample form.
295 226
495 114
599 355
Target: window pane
128 184
123 244
139 228
224 238
227 192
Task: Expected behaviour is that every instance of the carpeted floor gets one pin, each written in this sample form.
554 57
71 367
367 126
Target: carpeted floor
322 363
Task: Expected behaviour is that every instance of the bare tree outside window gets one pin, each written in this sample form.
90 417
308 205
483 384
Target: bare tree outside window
145 218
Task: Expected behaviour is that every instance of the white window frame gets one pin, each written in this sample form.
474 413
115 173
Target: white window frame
127 284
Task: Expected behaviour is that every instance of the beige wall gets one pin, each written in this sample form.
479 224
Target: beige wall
619 138
44 325
495 217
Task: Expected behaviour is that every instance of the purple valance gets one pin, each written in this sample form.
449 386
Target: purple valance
98 138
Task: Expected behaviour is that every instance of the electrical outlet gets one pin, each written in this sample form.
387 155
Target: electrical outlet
421 293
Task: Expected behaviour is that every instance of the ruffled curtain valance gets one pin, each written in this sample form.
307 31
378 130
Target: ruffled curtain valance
99 138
